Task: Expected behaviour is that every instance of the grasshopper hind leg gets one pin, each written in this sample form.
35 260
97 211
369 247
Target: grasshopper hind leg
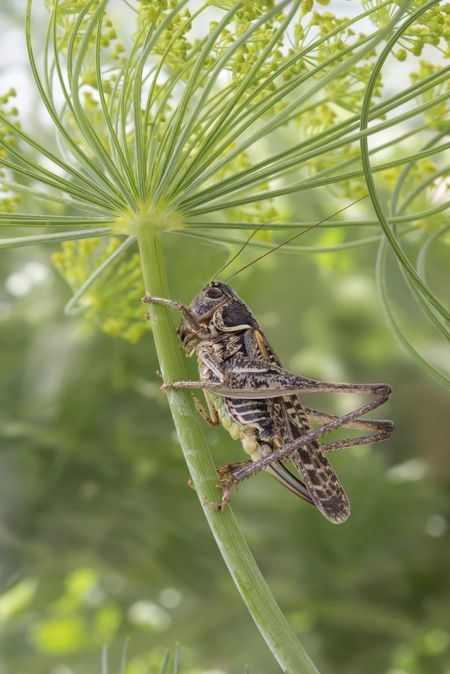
321 487
227 481
234 473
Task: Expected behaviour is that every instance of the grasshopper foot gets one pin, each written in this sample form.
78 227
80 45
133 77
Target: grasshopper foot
227 473
212 505
228 480
225 485
226 496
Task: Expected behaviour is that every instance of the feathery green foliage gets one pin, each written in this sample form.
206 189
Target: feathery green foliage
176 125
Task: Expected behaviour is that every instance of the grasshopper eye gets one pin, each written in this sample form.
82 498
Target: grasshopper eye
214 293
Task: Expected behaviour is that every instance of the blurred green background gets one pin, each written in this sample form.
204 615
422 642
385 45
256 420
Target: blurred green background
102 541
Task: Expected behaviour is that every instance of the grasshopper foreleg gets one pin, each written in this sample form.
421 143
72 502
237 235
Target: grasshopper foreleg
194 325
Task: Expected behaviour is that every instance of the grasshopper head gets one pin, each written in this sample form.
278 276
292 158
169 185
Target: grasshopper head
218 307
213 296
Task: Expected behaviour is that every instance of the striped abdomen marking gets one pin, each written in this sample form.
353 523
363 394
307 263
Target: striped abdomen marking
253 413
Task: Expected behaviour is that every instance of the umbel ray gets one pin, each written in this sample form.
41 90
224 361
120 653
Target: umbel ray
249 392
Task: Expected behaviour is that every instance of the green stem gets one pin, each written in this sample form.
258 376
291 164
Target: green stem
252 587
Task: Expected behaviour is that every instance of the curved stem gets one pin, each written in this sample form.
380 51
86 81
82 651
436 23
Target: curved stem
252 587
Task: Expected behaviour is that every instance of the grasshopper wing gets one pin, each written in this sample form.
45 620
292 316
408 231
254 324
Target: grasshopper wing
320 479
322 485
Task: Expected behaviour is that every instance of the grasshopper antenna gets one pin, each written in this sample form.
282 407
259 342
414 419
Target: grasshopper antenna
283 243
244 245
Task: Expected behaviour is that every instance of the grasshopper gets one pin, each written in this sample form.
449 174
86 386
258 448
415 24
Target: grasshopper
256 400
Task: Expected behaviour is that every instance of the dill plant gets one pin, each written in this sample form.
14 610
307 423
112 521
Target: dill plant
171 134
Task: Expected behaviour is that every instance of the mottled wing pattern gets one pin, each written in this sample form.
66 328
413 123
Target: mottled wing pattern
320 479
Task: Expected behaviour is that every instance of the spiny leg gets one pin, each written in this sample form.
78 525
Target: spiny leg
230 389
227 482
188 316
258 379
381 391
210 416
277 469
284 452
355 442
382 430
290 383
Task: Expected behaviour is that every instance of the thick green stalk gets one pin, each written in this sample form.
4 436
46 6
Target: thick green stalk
254 590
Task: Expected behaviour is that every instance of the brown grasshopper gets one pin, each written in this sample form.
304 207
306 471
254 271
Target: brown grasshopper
256 400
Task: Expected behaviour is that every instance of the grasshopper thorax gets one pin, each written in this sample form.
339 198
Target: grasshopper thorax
218 309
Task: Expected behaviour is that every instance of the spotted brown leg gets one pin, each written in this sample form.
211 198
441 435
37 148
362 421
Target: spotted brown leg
255 379
382 430
290 447
194 325
210 416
